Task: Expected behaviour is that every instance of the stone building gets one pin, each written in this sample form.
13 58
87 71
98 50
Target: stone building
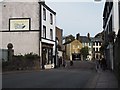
73 50
86 42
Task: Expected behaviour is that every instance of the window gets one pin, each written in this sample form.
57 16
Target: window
100 56
73 46
44 14
50 56
97 49
93 43
51 34
96 56
83 44
89 44
51 19
94 49
96 43
44 32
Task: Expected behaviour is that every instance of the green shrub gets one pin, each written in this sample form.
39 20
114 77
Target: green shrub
31 56
21 62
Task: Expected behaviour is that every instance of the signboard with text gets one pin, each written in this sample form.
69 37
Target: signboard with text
19 24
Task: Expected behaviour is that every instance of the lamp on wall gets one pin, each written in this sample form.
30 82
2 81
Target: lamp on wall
97 0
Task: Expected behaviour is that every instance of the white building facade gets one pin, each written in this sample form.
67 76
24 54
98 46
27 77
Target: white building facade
89 45
96 45
23 26
48 24
86 42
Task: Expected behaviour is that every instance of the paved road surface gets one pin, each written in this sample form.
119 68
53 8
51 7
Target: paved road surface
48 79
81 65
55 78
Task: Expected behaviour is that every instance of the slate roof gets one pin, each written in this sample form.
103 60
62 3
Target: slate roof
84 39
68 42
97 39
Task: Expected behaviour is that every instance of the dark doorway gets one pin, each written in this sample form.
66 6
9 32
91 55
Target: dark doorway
47 54
76 56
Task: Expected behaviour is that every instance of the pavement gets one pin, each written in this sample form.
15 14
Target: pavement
103 79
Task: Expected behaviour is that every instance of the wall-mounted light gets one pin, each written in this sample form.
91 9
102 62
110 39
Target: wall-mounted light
97 0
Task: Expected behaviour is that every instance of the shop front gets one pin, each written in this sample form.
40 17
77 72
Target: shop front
47 56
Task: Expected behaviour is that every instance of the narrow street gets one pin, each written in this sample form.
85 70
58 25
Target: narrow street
38 36
81 75
69 77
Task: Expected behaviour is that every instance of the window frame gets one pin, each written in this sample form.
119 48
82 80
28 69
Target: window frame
44 32
44 14
51 19
51 34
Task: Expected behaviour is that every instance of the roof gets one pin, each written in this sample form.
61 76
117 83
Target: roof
84 39
68 42
48 8
71 41
97 39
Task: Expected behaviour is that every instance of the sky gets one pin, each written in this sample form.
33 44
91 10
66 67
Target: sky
78 16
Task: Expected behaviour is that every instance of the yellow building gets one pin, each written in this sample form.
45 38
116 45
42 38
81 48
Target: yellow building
73 50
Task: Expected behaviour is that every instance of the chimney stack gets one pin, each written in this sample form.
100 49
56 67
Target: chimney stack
78 36
88 35
43 1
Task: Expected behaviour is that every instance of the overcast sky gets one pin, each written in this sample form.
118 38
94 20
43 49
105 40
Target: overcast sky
78 17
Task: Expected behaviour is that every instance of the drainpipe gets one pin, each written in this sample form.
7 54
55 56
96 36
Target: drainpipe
55 58
56 52
40 27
